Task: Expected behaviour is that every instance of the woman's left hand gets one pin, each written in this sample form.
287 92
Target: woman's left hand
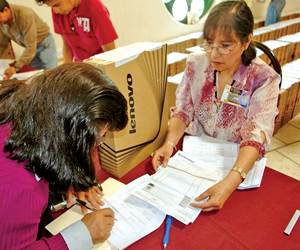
92 196
215 197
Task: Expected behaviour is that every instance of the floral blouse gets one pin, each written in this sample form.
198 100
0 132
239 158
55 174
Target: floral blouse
197 107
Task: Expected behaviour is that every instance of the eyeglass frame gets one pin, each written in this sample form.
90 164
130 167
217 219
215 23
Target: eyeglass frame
209 48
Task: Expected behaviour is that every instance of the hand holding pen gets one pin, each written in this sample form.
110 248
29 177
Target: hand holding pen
166 238
92 197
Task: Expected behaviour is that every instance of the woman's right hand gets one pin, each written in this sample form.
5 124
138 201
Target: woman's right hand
99 224
162 155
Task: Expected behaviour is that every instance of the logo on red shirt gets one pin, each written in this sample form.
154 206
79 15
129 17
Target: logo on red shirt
84 23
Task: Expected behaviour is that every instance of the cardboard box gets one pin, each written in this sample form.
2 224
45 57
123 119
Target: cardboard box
297 104
140 72
291 82
274 31
282 100
180 43
176 63
295 40
173 82
290 105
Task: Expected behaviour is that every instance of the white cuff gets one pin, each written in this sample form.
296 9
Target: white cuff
77 236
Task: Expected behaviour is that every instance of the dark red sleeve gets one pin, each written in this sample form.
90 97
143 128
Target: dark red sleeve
102 25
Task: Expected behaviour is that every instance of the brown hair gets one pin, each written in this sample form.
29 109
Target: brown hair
232 16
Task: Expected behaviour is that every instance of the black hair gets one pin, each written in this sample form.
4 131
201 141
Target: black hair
3 4
229 16
40 2
56 119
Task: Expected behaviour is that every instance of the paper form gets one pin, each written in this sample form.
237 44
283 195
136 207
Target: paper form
209 146
135 218
219 156
172 191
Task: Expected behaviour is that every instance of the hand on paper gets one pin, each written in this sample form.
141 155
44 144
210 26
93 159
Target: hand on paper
9 72
99 224
162 155
217 194
92 196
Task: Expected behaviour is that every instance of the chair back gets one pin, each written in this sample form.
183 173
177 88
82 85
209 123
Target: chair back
274 62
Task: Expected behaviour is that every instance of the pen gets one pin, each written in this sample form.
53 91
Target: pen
292 223
166 238
99 186
83 203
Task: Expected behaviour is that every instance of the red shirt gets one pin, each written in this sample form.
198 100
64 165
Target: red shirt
85 28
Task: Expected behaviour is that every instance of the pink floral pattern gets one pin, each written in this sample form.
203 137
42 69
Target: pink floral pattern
195 102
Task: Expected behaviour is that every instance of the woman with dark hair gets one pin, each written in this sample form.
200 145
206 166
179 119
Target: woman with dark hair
48 127
226 93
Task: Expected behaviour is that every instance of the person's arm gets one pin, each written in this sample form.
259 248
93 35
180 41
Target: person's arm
219 193
4 41
181 117
256 133
93 228
103 27
175 132
109 46
67 53
55 242
29 32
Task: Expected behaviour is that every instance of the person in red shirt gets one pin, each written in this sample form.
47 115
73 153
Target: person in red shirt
84 25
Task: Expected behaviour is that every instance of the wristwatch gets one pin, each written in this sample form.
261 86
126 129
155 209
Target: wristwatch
241 172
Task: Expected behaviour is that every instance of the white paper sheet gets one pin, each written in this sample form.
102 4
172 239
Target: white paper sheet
134 217
219 156
172 190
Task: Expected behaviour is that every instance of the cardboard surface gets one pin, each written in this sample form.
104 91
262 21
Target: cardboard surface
142 80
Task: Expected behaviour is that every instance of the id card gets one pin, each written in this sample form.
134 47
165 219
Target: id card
235 96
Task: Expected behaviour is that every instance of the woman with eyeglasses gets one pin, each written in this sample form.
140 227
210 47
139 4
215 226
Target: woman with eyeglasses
226 93
49 127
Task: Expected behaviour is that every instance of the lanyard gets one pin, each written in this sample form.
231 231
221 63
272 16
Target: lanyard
217 100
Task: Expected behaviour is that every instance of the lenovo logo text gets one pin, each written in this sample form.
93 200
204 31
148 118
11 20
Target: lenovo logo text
131 105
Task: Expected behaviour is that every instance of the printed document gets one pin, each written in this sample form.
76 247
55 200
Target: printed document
134 218
172 189
219 156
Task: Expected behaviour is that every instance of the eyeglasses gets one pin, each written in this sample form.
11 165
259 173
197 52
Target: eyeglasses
223 49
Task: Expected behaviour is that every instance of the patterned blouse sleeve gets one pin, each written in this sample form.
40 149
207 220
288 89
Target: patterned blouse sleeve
261 115
184 109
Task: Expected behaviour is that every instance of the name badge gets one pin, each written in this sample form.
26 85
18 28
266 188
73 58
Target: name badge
235 96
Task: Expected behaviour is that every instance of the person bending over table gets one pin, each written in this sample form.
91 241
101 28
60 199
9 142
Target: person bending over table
230 62
48 127
26 28
84 25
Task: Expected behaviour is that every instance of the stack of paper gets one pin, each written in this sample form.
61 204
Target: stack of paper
219 156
